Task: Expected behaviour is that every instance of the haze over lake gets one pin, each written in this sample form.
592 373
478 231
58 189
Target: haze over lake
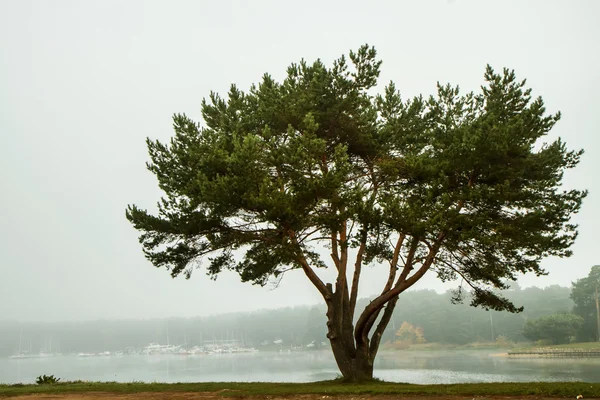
411 367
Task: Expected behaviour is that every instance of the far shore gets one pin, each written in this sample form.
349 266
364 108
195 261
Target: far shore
503 349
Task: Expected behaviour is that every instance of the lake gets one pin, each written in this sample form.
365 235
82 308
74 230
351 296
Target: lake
411 367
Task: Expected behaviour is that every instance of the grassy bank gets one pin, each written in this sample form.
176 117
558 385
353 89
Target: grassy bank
554 389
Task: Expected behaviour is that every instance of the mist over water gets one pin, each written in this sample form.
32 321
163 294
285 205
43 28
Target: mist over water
410 367
289 345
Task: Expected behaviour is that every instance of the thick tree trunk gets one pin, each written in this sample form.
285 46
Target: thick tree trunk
354 362
352 348
357 367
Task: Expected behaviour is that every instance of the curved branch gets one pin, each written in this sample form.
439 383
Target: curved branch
308 271
403 283
314 278
394 263
357 271
426 265
457 271
344 249
335 255
410 260
371 312
392 275
383 323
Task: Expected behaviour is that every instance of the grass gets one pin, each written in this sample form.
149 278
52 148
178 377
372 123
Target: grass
335 387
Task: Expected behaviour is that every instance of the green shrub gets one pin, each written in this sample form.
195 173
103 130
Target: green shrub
46 380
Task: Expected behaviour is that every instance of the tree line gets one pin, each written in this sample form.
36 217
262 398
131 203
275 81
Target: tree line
581 325
439 319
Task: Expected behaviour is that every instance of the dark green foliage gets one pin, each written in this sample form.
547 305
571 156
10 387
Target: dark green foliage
460 324
286 163
46 380
584 296
464 185
559 328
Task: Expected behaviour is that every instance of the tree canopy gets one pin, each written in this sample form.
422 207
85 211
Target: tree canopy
460 184
558 328
585 294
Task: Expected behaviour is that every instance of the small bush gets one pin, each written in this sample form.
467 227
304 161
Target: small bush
503 341
543 342
46 380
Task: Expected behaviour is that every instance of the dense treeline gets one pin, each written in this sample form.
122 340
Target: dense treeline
440 320
586 295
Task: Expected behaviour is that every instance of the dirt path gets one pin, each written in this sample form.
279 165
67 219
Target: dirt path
216 396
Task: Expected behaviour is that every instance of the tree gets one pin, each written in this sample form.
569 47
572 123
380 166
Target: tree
459 185
586 295
411 334
559 328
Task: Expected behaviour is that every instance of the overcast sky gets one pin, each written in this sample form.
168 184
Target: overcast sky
83 83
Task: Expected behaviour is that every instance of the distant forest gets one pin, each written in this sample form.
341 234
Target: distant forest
440 321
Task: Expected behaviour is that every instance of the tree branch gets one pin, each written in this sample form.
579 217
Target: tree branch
371 311
370 322
342 279
388 286
344 250
394 263
308 234
457 271
402 284
357 271
385 319
428 261
335 255
408 264
308 271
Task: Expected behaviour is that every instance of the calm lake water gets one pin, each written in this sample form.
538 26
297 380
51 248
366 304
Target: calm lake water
412 367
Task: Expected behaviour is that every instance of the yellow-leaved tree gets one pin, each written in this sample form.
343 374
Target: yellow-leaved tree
408 333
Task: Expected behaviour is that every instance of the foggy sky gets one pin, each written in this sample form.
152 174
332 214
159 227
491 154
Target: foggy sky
83 83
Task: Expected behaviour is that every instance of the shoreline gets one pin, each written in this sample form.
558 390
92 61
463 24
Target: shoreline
303 390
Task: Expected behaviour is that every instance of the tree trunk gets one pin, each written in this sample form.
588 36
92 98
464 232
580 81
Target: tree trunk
598 312
357 367
354 362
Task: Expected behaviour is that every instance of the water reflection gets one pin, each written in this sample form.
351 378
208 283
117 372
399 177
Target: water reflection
412 367
479 366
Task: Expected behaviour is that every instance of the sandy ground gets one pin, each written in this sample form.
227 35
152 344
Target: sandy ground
216 396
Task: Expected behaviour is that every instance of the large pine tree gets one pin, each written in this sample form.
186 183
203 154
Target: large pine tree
459 185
